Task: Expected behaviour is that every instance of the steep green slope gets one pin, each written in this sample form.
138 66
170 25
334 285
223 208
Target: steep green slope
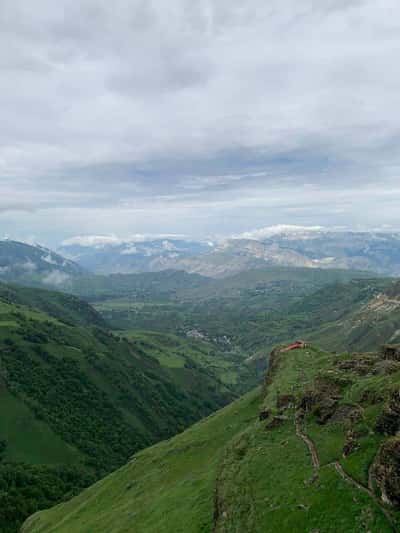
102 394
64 307
76 401
168 487
322 456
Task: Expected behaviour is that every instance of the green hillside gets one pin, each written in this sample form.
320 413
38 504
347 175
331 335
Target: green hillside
370 318
76 400
64 307
316 450
178 353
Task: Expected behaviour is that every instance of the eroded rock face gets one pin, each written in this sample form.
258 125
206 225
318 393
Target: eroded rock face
387 367
325 409
391 351
264 414
388 422
386 471
322 400
285 401
361 364
351 444
277 421
347 412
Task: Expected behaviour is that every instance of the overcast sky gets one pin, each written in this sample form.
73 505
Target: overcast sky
198 118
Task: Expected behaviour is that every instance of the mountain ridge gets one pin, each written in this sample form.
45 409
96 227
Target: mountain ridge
312 248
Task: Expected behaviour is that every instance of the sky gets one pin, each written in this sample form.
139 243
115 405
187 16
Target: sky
203 118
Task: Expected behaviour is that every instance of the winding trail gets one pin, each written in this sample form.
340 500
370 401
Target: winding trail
343 474
367 490
309 443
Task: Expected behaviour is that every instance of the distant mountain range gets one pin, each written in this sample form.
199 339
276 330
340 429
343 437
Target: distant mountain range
35 265
131 256
311 248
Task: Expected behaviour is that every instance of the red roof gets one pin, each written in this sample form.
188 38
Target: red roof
294 346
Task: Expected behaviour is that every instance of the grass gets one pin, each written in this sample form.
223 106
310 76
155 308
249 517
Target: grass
175 352
77 400
28 439
166 488
230 473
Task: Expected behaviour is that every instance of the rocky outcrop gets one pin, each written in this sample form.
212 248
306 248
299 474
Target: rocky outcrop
388 422
351 443
386 471
391 351
322 400
277 421
264 414
285 401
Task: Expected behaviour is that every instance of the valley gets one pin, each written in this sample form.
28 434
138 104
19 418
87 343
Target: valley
199 267
107 366
77 400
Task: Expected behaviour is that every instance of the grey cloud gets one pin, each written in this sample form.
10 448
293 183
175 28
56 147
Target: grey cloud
131 107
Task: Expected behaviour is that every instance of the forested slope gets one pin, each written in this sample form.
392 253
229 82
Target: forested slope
77 401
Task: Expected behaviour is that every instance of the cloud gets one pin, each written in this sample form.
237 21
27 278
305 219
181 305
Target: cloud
28 265
99 241
56 277
270 231
162 116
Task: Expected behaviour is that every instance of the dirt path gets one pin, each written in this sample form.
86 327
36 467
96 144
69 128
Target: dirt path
344 475
309 443
370 477
367 490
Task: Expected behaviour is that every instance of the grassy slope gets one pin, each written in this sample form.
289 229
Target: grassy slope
64 307
229 473
360 315
285 492
76 401
30 440
166 488
64 374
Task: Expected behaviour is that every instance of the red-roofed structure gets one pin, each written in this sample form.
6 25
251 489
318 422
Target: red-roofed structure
295 346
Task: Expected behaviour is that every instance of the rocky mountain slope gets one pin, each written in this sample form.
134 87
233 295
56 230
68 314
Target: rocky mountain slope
315 248
35 265
316 450
130 256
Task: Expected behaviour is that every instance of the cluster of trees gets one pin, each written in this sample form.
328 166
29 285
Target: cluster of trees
26 488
